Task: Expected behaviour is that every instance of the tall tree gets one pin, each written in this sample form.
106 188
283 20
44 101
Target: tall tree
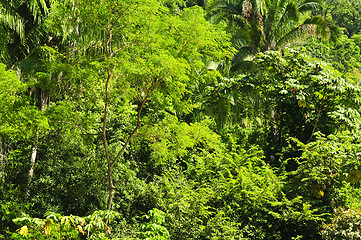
144 54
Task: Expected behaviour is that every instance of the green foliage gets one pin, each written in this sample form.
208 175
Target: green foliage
18 118
209 191
143 53
194 148
345 225
348 194
153 230
299 97
21 28
259 26
286 94
343 56
95 226
54 226
346 14
57 226
9 210
326 164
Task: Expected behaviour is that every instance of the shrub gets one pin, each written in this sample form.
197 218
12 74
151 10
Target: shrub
345 224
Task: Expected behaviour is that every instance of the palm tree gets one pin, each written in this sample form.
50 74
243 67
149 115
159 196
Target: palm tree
10 18
261 25
243 19
20 27
289 20
258 26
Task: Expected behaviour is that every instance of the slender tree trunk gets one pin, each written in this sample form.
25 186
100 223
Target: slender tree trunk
2 160
111 187
34 150
109 55
111 163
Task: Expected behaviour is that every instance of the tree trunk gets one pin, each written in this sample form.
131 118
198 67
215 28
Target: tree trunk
34 150
2 161
111 187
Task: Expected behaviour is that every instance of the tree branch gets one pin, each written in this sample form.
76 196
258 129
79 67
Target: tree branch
96 20
104 131
119 49
150 91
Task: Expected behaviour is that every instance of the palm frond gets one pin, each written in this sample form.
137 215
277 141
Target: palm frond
16 15
321 25
241 38
37 8
32 40
289 14
309 6
301 2
275 13
242 61
4 36
335 33
11 19
315 25
226 8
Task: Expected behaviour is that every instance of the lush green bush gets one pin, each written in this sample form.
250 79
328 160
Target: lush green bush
209 190
153 230
345 224
57 226
329 164
98 225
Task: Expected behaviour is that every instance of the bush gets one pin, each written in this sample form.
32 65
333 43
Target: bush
345 224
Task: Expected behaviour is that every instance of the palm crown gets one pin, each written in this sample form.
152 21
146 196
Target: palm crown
20 27
261 25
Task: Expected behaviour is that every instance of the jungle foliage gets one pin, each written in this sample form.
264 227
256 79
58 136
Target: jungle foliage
180 119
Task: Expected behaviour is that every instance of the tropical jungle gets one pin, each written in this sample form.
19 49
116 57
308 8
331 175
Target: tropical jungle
180 119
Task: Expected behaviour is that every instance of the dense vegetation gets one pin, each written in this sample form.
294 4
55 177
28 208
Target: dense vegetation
180 119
